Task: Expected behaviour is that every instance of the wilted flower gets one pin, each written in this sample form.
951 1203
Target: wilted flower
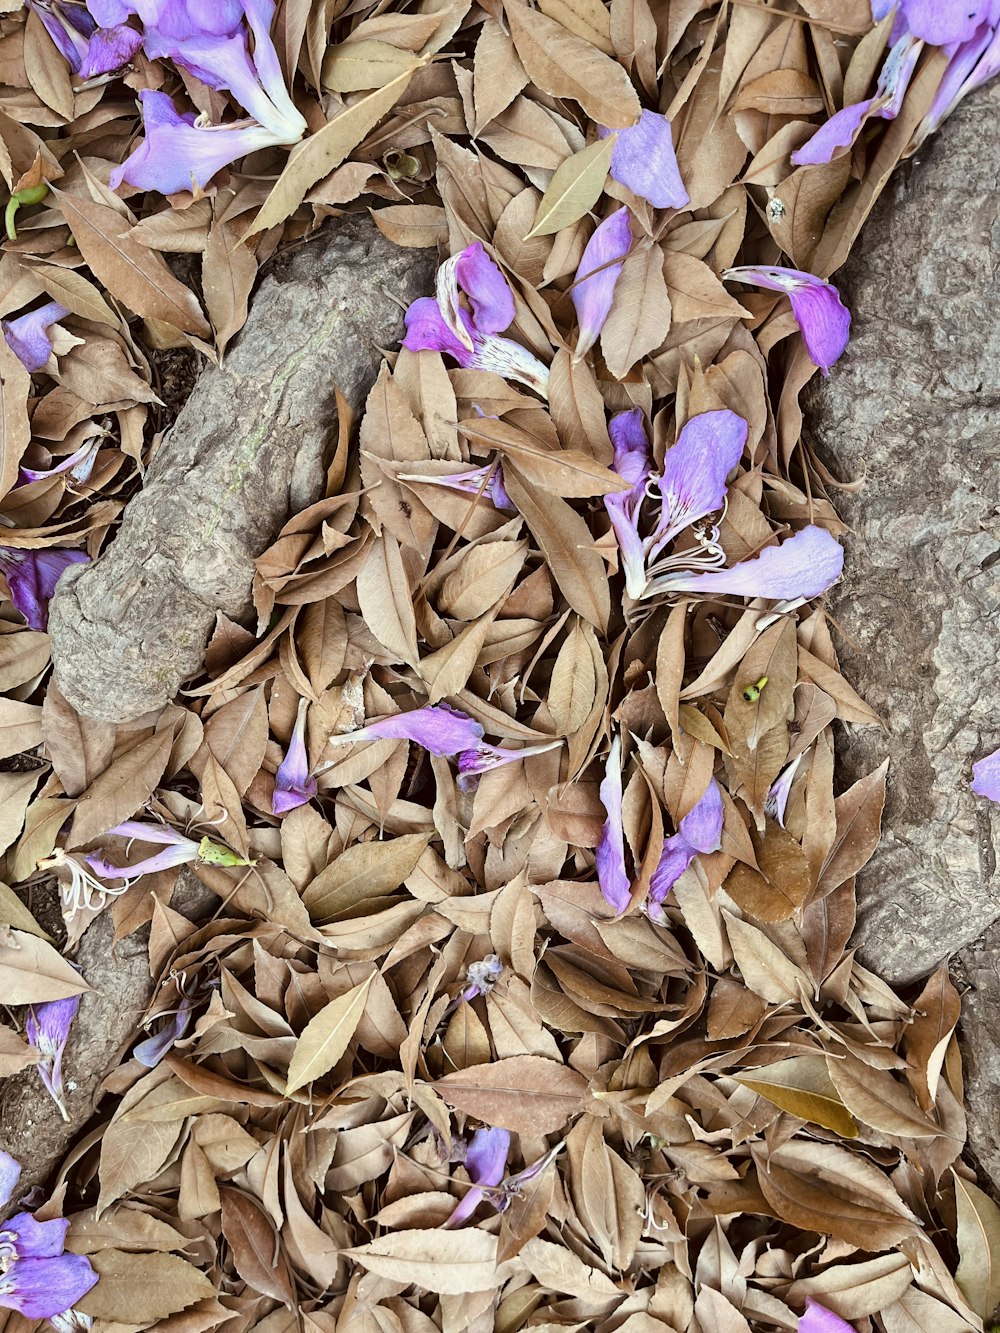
612 874
777 796
47 1029
643 159
821 315
442 730
632 461
483 757
485 1160
32 577
486 482
470 336
36 1278
695 470
78 464
803 566
152 1050
986 776
818 1319
481 977
594 285
179 851
68 24
109 49
292 784
178 153
842 129
699 831
28 337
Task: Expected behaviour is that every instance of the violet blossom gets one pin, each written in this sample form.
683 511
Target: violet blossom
292 784
777 796
633 462
973 63
821 315
481 977
695 472
643 159
28 335
69 25
803 566
946 22
485 1160
47 1029
439 728
79 464
37 1279
700 831
151 1051
818 1319
612 875
986 776
109 50
486 482
178 850
483 758
470 334
32 577
593 287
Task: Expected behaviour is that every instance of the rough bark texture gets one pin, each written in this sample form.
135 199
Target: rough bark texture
914 408
245 452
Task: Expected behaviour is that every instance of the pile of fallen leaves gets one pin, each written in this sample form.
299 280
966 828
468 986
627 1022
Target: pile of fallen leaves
678 1114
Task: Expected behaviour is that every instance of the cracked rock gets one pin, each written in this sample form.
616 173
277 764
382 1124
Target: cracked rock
247 450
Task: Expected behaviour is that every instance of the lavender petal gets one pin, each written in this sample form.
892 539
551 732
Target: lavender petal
643 159
592 295
803 566
610 854
986 776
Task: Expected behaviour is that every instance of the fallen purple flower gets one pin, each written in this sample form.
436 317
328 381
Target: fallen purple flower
973 63
481 481
79 464
481 977
32 577
693 484
594 285
292 784
47 1029
485 1161
483 758
36 1278
643 159
28 337
152 1050
700 831
442 730
443 324
180 850
944 22
632 461
777 796
802 567
110 50
178 154
818 1319
10 1174
69 25
612 874
986 776
821 315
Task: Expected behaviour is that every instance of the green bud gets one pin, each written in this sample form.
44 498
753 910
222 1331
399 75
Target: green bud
212 854
34 194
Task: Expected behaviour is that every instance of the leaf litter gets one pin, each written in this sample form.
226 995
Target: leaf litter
527 998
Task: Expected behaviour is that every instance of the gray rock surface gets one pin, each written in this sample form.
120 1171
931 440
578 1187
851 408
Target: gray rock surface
247 450
914 408
977 972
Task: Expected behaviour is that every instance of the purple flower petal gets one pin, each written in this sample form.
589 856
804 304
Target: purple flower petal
182 19
821 315
986 776
45 1287
483 758
442 730
10 1174
603 258
974 63
897 72
701 827
109 13
803 566
777 796
176 154
165 860
839 132
818 1319
69 26
675 858
486 287
693 484
32 577
428 331
151 1051
486 1156
643 159
110 49
80 463
27 336
155 833
505 357
292 784
466 1206
38 1240
632 460
47 1029
610 854
942 22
